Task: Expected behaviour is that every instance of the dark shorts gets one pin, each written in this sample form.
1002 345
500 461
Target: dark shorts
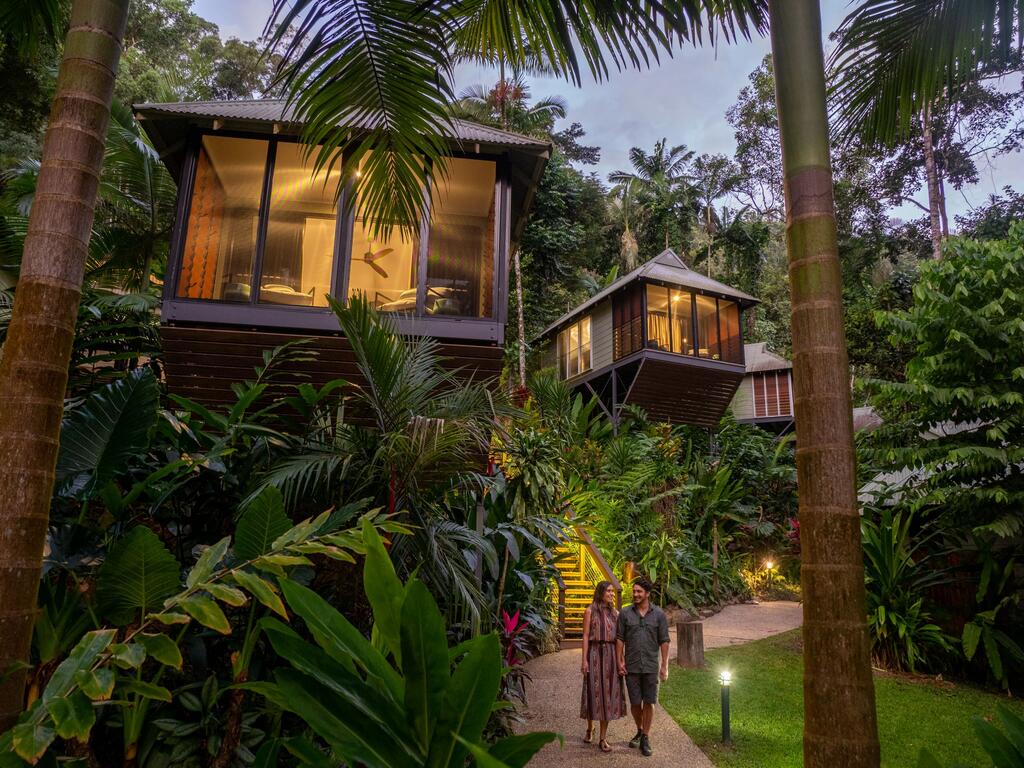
642 688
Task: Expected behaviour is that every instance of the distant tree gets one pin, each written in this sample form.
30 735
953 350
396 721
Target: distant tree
992 221
507 105
758 151
568 142
713 177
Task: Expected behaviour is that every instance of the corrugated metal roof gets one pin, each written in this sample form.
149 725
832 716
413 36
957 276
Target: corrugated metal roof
758 358
278 111
666 267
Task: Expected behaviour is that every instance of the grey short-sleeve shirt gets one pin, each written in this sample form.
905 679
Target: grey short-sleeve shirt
643 637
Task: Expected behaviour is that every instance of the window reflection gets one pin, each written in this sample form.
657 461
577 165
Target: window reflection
220 244
299 252
729 322
460 250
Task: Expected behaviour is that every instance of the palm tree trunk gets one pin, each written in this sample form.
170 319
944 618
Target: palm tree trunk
34 370
521 329
839 698
932 176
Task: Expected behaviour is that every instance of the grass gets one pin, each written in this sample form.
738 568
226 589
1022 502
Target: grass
767 710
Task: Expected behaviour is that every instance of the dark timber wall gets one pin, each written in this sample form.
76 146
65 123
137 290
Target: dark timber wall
202 363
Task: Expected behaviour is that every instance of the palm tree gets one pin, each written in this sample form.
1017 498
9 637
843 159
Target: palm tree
34 369
661 178
837 650
624 207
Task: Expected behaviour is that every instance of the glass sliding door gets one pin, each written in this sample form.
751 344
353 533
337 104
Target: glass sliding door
658 334
729 323
298 256
682 322
460 247
222 230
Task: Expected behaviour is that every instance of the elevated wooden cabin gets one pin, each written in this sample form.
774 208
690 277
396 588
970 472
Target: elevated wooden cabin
765 397
259 243
663 337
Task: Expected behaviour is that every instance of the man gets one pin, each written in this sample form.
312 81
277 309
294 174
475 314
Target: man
642 636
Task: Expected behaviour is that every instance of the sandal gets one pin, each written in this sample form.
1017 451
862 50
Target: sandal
605 746
589 738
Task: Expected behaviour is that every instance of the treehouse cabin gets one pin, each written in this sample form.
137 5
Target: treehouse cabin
765 397
662 337
259 243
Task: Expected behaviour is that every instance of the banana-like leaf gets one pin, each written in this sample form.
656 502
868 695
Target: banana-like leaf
996 745
425 660
98 437
517 751
263 521
384 590
342 641
336 721
467 702
137 576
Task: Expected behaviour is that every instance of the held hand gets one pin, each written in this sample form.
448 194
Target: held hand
622 668
585 667
664 673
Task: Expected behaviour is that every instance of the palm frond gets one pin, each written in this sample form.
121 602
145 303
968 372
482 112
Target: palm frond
897 57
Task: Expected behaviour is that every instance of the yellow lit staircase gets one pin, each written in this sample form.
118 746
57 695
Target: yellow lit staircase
580 568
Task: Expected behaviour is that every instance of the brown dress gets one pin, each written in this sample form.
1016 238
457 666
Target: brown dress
603 696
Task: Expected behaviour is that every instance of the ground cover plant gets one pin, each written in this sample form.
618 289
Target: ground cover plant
767 710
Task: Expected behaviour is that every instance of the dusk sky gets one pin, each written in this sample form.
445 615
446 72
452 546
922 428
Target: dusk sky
683 99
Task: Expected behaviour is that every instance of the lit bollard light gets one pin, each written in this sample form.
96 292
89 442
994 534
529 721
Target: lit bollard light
725 677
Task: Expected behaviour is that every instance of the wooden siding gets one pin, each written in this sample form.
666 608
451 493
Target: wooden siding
601 336
683 394
202 363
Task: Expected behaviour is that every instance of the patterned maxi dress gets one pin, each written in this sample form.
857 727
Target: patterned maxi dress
603 697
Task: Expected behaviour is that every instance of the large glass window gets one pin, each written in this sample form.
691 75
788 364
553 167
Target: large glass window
729 323
707 328
223 220
460 249
298 257
682 322
574 349
658 334
669 319
385 268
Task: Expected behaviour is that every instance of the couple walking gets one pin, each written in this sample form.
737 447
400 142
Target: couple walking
623 648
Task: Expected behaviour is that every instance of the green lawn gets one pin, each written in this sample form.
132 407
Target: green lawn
767 710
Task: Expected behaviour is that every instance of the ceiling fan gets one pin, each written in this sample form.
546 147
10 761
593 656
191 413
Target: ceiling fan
371 256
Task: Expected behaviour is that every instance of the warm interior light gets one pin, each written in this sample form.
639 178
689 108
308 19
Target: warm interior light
769 565
359 174
725 676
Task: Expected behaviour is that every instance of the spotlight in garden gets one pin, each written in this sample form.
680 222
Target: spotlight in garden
769 564
725 676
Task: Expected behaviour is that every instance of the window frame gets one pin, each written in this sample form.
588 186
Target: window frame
271 316
694 326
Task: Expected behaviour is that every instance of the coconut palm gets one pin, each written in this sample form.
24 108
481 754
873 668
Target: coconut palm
662 180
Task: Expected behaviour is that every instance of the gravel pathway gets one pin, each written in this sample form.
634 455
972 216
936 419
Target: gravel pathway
554 698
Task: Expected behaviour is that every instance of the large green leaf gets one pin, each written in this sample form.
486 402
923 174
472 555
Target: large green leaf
99 436
81 658
335 720
261 590
384 590
336 635
517 751
137 576
996 745
73 716
425 660
467 702
262 521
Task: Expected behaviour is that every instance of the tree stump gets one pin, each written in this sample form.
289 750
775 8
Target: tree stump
690 644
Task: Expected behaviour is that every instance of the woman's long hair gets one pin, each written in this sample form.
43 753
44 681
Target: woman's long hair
599 591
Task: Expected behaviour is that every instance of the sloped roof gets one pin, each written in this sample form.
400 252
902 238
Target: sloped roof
668 268
759 359
278 111
168 125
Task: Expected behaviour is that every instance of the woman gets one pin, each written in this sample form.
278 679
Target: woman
603 698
